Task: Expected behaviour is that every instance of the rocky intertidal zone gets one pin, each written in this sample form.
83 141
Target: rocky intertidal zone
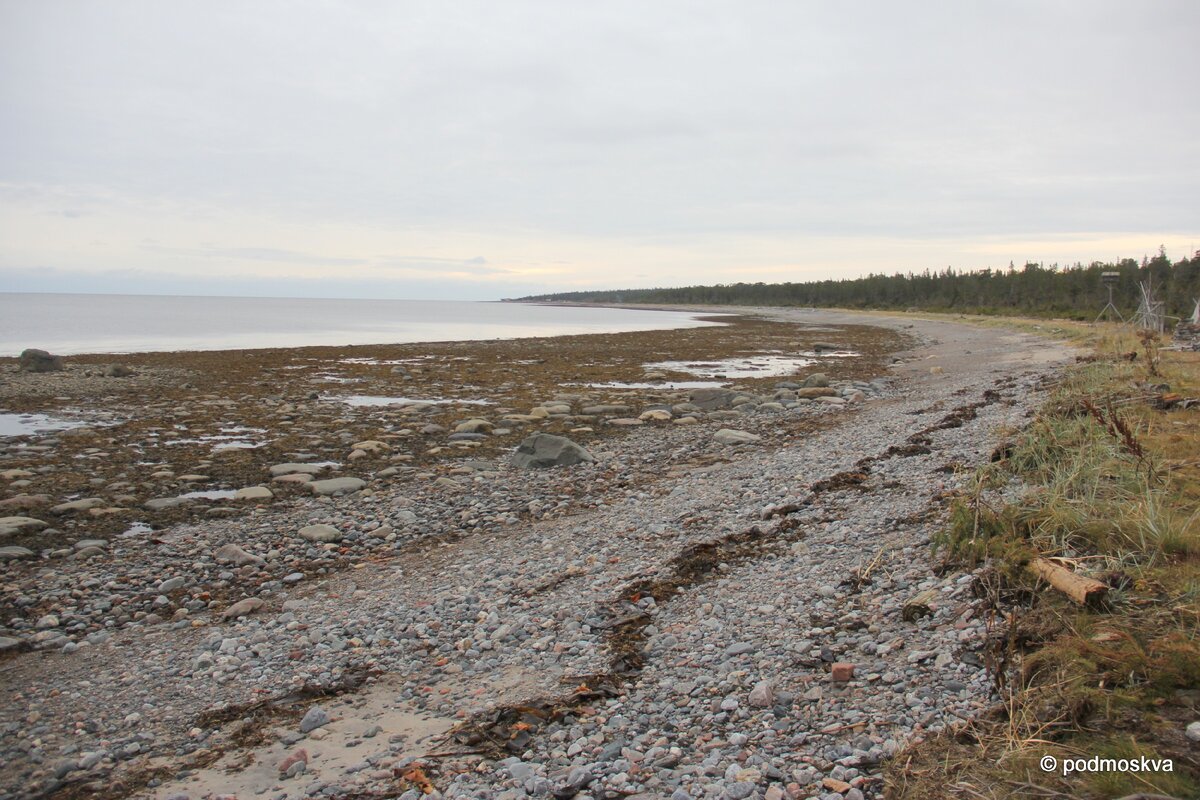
700 594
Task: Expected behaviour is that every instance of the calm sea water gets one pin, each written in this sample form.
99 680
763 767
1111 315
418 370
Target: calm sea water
105 323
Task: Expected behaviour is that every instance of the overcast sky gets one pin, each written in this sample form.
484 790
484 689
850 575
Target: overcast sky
466 150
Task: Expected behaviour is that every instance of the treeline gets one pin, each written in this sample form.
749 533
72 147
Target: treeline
1075 292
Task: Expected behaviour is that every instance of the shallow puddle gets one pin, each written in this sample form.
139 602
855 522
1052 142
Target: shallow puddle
233 437
136 529
764 365
30 424
833 354
744 367
237 445
363 400
379 361
655 385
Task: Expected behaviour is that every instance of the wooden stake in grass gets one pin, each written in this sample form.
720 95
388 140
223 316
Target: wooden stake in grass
1084 591
919 605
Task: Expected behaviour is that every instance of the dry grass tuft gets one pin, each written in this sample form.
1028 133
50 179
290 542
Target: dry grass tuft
1109 482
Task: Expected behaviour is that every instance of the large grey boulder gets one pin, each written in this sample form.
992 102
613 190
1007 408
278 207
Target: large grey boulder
711 399
731 437
321 533
86 504
34 360
610 408
297 469
253 493
14 552
548 450
163 503
233 554
336 485
11 525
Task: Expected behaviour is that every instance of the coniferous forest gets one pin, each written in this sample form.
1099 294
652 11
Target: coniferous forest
1074 292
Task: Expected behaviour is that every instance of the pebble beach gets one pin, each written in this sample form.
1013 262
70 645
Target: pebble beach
660 564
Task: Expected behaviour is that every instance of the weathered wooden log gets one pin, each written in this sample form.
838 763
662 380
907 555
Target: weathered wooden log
1084 591
918 605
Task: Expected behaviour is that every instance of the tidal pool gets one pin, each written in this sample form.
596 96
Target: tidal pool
30 424
743 367
364 400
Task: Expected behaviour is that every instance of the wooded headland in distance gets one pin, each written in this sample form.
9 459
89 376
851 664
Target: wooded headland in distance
1075 292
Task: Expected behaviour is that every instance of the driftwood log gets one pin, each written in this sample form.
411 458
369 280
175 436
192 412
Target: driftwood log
918 605
1084 591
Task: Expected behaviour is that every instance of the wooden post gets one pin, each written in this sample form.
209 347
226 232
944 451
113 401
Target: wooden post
917 606
1084 591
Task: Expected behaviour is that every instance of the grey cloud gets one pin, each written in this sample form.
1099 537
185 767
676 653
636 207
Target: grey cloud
613 122
272 254
477 265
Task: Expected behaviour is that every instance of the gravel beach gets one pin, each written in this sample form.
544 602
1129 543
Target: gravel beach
328 572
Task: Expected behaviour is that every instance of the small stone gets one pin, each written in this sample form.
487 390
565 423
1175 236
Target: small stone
233 554
293 478
1193 731
16 474
9 644
763 694
277 470
728 436
242 607
335 486
172 584
163 503
24 502
739 790
842 671
314 718
253 493
834 785
85 544
13 552
11 525
298 756
320 533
